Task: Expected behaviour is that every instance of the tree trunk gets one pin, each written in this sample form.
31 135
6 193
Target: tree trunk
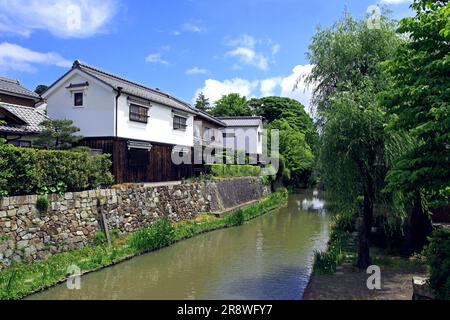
418 228
365 225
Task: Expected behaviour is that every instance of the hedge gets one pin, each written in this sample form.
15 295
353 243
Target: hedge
230 170
438 258
26 171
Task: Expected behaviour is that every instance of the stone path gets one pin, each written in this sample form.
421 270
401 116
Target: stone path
350 284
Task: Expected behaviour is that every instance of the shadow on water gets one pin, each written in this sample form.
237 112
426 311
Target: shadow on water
270 257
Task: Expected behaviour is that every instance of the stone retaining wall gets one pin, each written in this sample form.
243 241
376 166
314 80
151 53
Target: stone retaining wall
73 219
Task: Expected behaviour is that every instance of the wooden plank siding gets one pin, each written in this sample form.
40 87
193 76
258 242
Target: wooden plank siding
135 165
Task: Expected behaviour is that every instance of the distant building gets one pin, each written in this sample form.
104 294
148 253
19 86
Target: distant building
12 92
243 134
18 113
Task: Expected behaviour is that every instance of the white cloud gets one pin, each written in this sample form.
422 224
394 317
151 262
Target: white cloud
250 57
268 86
301 92
243 40
284 86
196 70
62 18
275 49
395 1
194 26
250 51
214 90
17 58
156 58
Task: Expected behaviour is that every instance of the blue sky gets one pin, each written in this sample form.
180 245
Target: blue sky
254 47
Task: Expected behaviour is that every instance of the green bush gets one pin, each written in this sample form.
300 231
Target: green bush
438 257
340 244
42 204
236 219
231 170
159 235
325 262
344 221
31 171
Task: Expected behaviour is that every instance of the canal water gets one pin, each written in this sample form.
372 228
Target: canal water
270 257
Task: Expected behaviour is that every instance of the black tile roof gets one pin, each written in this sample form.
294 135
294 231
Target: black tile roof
14 87
134 88
30 116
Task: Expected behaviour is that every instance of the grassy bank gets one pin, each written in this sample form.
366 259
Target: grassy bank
21 280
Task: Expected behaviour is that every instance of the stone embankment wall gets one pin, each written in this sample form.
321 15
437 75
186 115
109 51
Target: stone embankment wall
73 219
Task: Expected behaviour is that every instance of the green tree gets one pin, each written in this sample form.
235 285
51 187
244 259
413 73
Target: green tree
202 102
57 135
277 108
295 153
353 160
346 54
231 105
419 101
348 77
40 89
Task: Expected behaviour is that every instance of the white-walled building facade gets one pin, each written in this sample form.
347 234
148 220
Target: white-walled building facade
141 127
244 134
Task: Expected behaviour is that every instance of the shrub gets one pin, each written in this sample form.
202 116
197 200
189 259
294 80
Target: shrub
230 170
159 235
31 171
163 233
42 204
236 219
438 256
325 262
344 221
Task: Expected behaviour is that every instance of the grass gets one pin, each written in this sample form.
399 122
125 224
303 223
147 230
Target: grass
342 247
21 280
381 257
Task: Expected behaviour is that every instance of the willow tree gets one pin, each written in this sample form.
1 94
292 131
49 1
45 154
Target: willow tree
348 77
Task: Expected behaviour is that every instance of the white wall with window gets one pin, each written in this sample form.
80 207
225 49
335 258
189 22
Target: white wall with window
163 124
85 101
248 139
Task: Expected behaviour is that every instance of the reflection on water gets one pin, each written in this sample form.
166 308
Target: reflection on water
270 257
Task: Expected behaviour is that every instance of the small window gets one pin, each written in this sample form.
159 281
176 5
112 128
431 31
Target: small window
228 135
179 123
138 113
78 99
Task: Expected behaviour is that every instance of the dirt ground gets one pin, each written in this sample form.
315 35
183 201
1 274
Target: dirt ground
351 284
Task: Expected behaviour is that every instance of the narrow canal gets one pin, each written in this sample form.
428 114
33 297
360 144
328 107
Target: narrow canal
270 257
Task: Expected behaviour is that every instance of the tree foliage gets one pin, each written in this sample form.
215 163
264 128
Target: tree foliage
346 54
202 102
298 135
40 89
419 101
231 105
349 76
57 135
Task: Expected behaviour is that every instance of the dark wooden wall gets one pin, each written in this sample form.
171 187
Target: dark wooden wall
16 100
137 165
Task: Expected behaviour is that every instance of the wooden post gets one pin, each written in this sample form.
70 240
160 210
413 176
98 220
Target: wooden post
104 222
